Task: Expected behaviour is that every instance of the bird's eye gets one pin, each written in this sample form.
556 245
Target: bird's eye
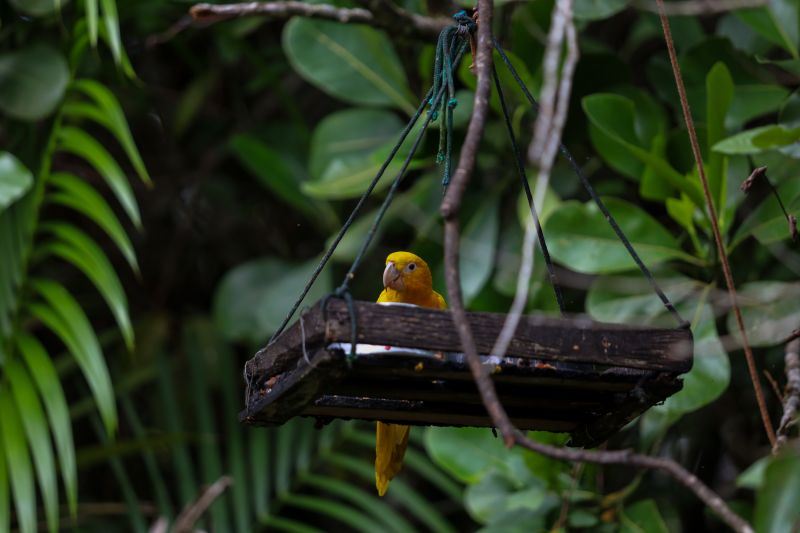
411 267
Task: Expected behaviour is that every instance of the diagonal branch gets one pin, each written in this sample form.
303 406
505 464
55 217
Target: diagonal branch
396 21
712 215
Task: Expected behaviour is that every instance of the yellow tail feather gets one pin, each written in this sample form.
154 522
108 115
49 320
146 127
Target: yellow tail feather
391 441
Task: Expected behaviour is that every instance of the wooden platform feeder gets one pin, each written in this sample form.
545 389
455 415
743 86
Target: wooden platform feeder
573 375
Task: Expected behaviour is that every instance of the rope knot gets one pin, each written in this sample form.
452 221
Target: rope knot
452 103
465 23
434 115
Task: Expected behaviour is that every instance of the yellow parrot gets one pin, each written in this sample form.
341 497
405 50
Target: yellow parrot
406 279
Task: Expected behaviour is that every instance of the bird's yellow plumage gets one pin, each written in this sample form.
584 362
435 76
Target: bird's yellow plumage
406 279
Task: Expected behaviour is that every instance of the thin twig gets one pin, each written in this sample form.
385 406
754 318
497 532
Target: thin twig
791 397
701 7
397 21
712 215
194 510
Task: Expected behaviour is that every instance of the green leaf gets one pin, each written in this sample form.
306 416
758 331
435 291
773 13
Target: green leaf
469 454
478 243
49 386
36 8
753 476
494 496
15 180
32 81
80 143
614 116
642 517
108 113
111 22
586 10
76 247
35 425
758 140
753 101
355 63
777 23
64 317
19 463
581 238
348 149
719 95
253 298
76 194
92 12
771 311
631 300
776 503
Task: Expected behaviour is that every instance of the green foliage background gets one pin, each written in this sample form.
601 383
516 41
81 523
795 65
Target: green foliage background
164 196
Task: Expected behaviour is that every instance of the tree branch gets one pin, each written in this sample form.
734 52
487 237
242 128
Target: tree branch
396 21
712 215
791 399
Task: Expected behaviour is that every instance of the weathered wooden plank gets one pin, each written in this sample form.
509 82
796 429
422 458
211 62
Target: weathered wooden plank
570 339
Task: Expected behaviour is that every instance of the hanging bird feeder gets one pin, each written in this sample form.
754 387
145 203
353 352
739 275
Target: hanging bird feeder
403 364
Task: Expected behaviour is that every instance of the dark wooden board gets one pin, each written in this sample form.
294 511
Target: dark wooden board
572 375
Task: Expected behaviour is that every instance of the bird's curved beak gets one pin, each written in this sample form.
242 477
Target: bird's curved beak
392 278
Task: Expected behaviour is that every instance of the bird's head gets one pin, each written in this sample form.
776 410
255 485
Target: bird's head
408 273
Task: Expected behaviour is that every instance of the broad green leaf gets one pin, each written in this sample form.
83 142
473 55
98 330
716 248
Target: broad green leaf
37 8
719 90
767 223
15 180
642 517
597 9
108 113
494 495
351 134
32 81
753 476
355 63
76 194
777 22
19 463
771 311
776 503
478 243
111 22
752 101
80 143
758 140
76 247
469 454
64 317
709 376
614 116
35 425
580 237
348 149
49 386
276 174
253 298
631 300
